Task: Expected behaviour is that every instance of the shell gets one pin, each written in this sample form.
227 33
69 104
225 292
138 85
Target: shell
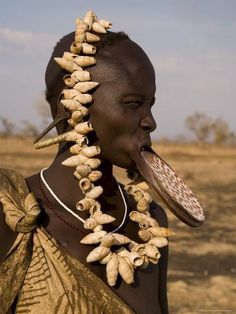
112 270
125 270
161 232
145 262
138 195
91 38
85 184
142 205
83 128
70 93
95 192
145 234
140 248
83 140
147 197
94 175
105 23
85 204
84 87
88 19
74 161
69 66
90 223
82 76
152 251
69 80
81 28
82 170
80 37
93 238
69 56
77 116
84 61
83 98
102 219
93 163
91 151
106 259
71 122
136 216
88 49
71 104
97 254
143 220
133 257
76 47
98 28
158 242
98 228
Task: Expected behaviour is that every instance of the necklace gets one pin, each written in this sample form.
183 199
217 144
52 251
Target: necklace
69 210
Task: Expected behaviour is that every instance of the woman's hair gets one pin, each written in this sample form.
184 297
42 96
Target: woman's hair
54 73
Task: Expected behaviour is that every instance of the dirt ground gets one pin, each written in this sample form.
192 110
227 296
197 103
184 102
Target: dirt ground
202 262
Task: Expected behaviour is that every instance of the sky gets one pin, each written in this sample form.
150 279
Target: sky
191 43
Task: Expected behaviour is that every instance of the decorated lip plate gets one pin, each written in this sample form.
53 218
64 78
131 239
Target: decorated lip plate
170 187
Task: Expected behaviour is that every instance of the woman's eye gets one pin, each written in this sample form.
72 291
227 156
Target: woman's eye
134 103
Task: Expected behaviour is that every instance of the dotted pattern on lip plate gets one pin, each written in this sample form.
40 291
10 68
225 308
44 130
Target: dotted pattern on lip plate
174 186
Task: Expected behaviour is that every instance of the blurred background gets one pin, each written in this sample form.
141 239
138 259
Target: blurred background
192 46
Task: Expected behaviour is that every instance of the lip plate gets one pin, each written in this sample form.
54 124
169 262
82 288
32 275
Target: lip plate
178 210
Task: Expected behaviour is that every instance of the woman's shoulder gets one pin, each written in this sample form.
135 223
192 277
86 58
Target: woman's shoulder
12 186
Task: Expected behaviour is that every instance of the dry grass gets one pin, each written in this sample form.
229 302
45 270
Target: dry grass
202 267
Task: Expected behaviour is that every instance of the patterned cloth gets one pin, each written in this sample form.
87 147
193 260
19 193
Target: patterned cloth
43 277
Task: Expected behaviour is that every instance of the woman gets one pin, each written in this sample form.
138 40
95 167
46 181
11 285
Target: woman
48 269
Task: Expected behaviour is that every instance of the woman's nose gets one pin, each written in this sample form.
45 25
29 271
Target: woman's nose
148 123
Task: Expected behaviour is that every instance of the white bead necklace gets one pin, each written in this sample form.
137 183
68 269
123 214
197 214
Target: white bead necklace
69 210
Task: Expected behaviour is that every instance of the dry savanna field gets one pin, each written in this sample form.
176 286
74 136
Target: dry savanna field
202 262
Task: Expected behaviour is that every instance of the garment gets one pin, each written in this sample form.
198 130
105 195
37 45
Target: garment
45 278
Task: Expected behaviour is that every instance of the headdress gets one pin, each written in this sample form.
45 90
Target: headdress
75 98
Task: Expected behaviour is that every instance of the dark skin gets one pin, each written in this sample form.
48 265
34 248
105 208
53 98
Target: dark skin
122 119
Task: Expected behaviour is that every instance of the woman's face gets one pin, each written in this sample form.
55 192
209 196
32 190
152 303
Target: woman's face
121 111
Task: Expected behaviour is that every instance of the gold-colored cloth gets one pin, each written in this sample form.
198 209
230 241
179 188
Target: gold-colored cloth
44 278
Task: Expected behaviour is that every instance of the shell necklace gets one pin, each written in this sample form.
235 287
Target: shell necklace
69 210
120 254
